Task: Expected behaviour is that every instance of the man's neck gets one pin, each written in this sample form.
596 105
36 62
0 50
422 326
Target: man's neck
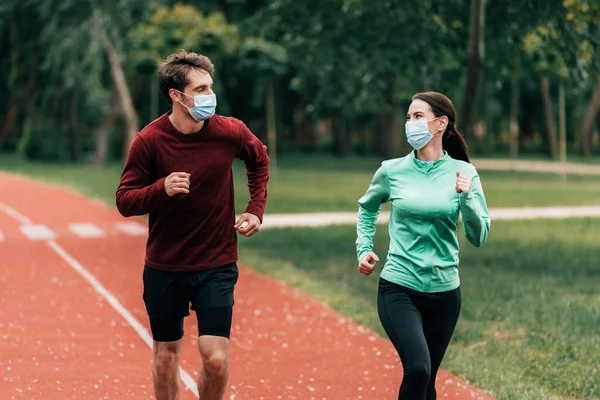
185 123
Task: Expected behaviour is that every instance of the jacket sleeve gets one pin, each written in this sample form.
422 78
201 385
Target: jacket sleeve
254 155
369 207
475 216
137 194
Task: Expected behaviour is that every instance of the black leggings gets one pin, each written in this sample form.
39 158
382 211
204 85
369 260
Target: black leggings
420 326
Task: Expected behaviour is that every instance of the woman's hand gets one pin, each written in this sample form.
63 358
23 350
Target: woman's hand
463 183
366 266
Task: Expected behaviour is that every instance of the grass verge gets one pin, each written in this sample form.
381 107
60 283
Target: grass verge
530 323
310 184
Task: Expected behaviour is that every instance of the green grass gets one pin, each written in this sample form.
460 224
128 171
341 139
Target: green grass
571 157
530 323
309 184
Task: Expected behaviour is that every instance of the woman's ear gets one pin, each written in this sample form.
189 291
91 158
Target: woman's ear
442 124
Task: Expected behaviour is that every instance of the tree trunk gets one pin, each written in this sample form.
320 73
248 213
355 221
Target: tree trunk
377 135
8 126
74 142
271 122
386 138
124 96
154 98
474 68
30 95
304 129
562 123
10 116
514 111
120 84
587 142
340 137
102 134
549 116
392 137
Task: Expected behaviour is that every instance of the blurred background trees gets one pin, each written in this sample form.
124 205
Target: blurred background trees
335 76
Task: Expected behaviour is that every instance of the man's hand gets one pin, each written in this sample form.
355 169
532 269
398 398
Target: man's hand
177 182
248 224
367 264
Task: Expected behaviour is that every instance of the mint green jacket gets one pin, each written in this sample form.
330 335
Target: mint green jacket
423 251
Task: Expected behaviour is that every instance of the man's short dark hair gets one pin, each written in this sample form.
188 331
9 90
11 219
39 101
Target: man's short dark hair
172 72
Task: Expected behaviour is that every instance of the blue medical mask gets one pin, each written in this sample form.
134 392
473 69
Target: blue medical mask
417 133
204 106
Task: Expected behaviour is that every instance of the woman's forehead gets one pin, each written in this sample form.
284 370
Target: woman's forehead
419 106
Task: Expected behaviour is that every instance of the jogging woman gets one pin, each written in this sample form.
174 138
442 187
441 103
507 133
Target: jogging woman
419 295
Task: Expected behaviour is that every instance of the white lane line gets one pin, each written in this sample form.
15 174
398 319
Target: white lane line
86 230
37 232
544 213
187 379
350 218
132 228
11 212
1 237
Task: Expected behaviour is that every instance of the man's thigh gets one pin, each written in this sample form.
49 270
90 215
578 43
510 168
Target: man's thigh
213 301
166 304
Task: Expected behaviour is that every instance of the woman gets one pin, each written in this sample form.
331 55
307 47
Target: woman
419 295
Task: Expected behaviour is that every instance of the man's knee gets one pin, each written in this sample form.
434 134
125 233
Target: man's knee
166 359
216 364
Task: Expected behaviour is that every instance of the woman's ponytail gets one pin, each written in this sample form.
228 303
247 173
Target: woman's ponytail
455 144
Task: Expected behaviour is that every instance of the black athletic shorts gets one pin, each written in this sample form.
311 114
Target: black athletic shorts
168 296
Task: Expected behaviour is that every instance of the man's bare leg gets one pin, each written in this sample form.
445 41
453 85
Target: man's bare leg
165 369
214 351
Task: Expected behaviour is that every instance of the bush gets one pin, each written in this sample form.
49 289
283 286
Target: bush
43 143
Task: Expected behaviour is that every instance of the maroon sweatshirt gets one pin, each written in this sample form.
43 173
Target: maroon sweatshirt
192 231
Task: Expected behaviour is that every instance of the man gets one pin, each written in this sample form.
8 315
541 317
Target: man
179 171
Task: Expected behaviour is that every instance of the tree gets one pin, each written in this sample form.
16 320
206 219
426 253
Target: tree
171 29
589 122
22 64
583 17
86 41
476 57
562 49
266 61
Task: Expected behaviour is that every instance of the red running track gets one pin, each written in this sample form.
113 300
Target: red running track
73 324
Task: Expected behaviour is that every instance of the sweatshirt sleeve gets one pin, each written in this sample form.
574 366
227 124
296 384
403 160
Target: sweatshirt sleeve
137 194
476 219
254 155
369 207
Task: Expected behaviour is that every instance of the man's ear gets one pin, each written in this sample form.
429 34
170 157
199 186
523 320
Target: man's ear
175 96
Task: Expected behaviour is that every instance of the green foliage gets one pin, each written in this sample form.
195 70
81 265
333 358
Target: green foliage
262 57
182 27
358 61
43 142
563 41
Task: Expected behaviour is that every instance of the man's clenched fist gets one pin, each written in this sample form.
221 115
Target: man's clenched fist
177 182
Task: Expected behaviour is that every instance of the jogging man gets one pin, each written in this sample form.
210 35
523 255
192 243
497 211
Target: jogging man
179 171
